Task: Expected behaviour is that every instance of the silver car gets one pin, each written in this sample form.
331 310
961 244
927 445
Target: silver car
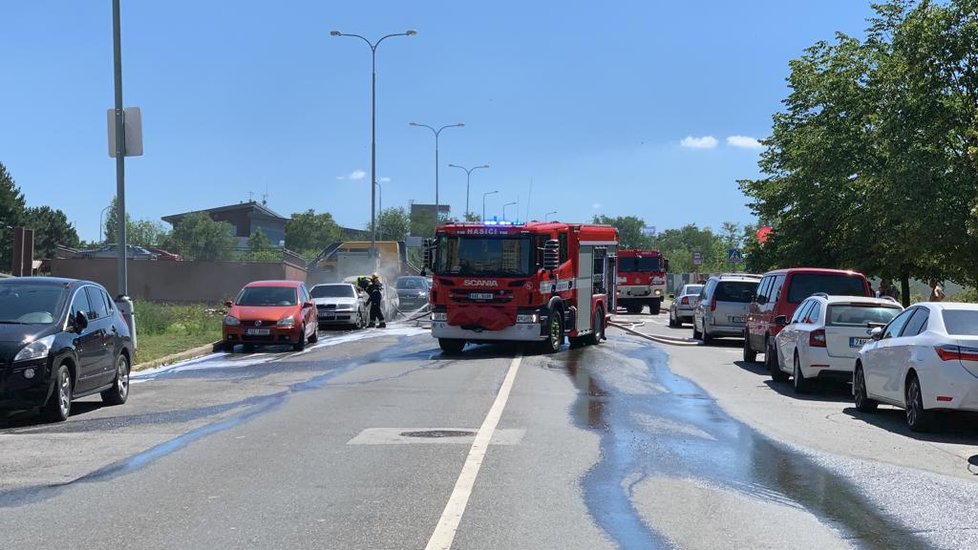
723 305
340 304
683 303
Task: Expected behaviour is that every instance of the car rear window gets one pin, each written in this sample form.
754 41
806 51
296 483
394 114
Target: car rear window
856 315
268 296
735 291
692 289
332 291
961 322
804 285
410 284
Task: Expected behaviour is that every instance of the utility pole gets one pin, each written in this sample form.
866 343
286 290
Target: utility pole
120 150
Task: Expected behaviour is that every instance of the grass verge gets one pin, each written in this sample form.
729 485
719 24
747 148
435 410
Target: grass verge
166 329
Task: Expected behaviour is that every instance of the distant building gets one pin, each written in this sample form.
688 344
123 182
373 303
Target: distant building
246 219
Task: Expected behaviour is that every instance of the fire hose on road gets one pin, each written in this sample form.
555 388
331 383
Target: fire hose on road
666 340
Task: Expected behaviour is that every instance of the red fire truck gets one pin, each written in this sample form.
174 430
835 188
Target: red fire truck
641 280
535 282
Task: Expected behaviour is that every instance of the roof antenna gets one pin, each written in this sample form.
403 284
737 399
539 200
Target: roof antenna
264 198
251 196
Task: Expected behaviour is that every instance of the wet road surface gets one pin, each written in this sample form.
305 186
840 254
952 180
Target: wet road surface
359 441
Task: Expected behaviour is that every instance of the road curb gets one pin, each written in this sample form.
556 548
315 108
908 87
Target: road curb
182 356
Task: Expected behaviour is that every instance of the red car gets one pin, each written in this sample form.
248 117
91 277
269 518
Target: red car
268 313
163 255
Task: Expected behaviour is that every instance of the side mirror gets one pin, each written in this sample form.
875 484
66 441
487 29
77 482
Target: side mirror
781 320
228 303
551 255
876 333
81 321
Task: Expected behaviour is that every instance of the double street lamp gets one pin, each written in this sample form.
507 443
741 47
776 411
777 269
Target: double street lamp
373 127
484 195
547 215
468 180
437 133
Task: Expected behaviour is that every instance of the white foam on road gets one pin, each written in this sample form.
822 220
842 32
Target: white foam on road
225 360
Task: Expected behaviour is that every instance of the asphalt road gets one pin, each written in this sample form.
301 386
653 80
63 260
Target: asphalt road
377 440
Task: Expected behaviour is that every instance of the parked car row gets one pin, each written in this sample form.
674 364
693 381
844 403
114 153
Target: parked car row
816 324
133 252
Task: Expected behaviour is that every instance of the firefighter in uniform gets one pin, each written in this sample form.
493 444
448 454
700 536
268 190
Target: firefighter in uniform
375 290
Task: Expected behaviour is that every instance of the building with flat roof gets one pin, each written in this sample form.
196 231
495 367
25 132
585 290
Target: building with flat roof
246 219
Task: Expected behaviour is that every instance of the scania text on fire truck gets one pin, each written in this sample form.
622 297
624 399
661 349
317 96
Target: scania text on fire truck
641 280
535 282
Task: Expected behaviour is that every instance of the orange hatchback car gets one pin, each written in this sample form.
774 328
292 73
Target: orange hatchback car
268 313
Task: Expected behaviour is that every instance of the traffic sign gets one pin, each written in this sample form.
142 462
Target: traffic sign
697 258
648 231
734 255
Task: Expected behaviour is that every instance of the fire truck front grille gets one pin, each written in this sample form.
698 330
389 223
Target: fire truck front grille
481 296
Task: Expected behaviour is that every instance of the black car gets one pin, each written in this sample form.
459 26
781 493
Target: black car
412 292
60 339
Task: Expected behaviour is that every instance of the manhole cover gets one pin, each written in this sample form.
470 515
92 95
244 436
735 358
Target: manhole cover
438 433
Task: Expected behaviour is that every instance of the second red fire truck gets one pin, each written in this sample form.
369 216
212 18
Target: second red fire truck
641 280
537 282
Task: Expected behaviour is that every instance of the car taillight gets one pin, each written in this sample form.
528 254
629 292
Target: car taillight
713 304
951 352
684 301
817 338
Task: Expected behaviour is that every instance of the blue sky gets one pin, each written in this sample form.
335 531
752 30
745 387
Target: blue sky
591 101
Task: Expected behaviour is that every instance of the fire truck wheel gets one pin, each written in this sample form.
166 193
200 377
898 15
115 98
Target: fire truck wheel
633 309
555 333
655 308
451 345
598 323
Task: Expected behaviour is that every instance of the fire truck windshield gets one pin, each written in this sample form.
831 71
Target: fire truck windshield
484 256
648 264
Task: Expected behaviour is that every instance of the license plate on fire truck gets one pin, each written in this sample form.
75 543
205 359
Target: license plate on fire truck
480 296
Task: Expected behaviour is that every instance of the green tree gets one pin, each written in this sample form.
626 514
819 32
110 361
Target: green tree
630 230
260 249
12 208
872 164
51 228
393 224
422 223
146 233
198 237
472 217
308 233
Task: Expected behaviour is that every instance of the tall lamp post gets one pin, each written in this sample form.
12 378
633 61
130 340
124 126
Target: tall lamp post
484 195
468 180
380 206
504 208
373 126
437 133
547 215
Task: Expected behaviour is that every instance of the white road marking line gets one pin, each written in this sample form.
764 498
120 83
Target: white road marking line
447 526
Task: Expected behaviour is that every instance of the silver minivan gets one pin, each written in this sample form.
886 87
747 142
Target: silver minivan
723 305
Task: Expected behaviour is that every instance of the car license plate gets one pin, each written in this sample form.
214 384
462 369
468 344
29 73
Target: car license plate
480 296
855 342
736 319
259 332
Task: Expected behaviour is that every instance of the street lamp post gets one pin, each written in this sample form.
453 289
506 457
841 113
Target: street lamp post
547 215
380 207
504 208
437 133
484 195
468 180
373 126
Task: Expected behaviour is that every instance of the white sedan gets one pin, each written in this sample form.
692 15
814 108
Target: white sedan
823 337
924 360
